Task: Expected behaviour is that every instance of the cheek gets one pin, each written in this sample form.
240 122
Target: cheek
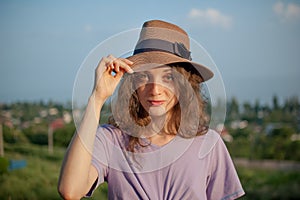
173 101
172 98
141 94
173 94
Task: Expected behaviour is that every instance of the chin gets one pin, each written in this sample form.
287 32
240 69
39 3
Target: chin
157 111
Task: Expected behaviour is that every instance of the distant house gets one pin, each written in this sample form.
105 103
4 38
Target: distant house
224 133
57 123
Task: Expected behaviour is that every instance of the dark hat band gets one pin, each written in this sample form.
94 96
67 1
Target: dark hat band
162 45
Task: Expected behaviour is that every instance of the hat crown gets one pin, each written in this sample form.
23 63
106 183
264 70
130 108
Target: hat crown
161 30
163 24
162 43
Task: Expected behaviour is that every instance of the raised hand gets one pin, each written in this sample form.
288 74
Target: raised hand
108 74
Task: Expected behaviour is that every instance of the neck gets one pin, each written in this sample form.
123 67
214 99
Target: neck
161 138
158 123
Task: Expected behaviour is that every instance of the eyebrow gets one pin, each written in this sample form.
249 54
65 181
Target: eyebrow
167 70
149 71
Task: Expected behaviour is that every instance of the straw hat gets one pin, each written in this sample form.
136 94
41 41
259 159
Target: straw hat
162 43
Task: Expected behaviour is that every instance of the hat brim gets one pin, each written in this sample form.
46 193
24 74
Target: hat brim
151 59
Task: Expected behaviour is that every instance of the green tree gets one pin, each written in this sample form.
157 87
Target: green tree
233 109
63 136
275 103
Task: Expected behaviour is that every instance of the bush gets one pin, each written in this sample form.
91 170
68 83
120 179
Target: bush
37 135
63 136
8 135
4 163
38 138
269 184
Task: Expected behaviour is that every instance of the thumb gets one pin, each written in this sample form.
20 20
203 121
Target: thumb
119 75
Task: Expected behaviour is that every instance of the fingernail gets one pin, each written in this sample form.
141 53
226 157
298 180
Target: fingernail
130 71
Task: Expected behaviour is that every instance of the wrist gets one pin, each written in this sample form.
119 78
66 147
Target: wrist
97 100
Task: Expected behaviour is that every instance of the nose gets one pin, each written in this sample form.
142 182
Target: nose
154 88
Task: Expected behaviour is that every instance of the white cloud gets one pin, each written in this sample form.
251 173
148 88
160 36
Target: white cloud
287 12
210 16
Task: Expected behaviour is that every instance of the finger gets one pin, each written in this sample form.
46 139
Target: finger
111 57
129 62
113 64
119 74
120 64
116 64
125 64
104 65
108 60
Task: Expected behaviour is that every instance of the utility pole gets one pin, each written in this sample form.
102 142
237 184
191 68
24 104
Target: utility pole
1 141
50 139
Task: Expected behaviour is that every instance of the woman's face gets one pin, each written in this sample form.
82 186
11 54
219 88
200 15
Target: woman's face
156 90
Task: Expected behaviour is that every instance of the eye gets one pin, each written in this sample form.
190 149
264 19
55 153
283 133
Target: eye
141 77
168 77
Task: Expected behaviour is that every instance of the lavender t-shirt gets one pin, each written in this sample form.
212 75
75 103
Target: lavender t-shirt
197 168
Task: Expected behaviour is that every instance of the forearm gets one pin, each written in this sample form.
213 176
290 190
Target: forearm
75 177
77 173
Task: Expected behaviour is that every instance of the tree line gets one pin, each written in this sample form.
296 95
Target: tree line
272 131
258 131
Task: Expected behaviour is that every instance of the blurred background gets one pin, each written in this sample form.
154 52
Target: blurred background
254 44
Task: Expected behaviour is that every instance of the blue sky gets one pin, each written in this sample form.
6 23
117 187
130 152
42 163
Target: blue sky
255 44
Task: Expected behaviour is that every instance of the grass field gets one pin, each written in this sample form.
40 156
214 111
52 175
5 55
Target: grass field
38 180
269 184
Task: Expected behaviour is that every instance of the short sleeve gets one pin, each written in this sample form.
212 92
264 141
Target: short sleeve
223 181
100 156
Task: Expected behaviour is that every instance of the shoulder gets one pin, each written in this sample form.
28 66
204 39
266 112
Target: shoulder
109 133
210 143
108 130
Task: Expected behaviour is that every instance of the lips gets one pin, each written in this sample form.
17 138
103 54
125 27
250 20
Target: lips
156 102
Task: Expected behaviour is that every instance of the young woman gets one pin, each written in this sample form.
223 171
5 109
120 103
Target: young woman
157 144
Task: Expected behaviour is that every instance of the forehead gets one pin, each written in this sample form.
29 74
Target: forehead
157 70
